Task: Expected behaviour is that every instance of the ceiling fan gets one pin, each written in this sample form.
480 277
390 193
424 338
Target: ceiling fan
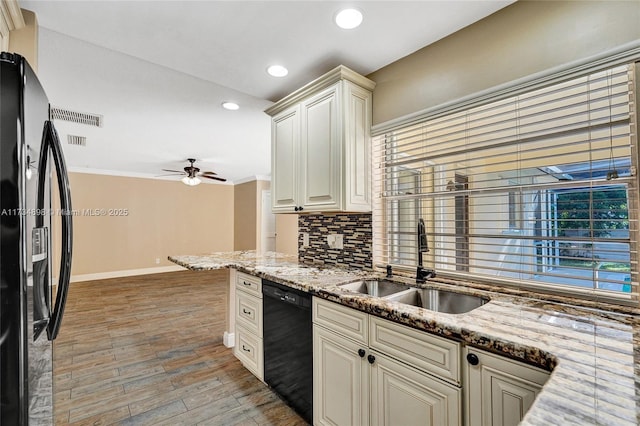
192 174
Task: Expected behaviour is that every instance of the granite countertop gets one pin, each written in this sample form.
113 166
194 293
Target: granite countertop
594 355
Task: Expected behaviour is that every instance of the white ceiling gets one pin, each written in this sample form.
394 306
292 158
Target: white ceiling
159 70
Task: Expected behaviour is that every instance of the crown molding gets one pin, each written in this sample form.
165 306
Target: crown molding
120 173
337 74
11 14
252 178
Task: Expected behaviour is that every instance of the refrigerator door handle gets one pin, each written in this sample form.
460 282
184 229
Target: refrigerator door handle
40 245
52 142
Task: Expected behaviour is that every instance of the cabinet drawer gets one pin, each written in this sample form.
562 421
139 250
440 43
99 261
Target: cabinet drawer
249 351
419 349
249 312
249 283
346 321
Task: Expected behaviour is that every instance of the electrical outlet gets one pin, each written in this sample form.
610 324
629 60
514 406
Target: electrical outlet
335 241
305 239
330 240
157 260
339 241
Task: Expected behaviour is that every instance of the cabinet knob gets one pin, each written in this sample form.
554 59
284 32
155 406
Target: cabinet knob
371 359
361 352
296 208
473 359
300 208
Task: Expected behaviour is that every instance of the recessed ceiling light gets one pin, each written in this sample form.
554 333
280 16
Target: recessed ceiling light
277 71
230 106
348 19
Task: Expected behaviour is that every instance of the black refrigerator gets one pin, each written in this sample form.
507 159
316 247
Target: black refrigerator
31 304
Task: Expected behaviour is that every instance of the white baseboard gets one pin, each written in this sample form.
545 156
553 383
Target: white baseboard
125 273
229 339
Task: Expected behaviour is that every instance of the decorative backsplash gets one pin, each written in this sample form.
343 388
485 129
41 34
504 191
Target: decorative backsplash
357 240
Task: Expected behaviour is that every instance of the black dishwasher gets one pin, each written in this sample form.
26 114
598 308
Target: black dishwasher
288 345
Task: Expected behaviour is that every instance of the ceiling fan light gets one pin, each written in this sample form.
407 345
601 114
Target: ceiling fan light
191 181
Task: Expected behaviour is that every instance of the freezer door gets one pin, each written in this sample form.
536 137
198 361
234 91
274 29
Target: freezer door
26 388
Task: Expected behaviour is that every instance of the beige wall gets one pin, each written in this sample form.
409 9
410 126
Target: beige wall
164 218
248 220
287 233
25 40
248 210
246 214
522 39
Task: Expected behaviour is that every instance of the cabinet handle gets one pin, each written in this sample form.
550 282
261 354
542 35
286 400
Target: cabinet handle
371 359
473 359
296 208
246 283
246 312
361 352
245 349
300 208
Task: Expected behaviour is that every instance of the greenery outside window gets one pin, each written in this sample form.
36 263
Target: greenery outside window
539 189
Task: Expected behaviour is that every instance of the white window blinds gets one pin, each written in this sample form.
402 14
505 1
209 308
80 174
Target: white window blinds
538 189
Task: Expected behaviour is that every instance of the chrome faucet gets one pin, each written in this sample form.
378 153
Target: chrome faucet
423 247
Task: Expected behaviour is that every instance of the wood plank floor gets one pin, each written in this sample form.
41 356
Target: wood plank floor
148 350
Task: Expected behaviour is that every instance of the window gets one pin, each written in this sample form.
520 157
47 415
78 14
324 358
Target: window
538 189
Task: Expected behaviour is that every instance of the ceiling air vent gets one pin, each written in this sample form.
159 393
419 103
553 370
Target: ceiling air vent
77 117
76 140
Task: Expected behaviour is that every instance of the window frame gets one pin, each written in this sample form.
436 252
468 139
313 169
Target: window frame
515 217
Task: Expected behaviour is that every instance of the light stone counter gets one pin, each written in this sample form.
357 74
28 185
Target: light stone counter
594 355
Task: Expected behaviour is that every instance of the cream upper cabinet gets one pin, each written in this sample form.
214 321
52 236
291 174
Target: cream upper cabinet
285 141
499 391
321 147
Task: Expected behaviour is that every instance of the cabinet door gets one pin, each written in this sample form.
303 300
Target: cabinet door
500 391
285 138
357 148
401 395
321 154
340 380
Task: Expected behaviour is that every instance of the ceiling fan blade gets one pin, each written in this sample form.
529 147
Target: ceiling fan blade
214 178
171 174
209 173
174 171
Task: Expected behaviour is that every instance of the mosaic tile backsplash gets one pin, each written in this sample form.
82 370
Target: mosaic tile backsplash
357 240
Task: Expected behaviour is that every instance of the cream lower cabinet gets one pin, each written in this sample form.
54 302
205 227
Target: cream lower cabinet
355 384
499 391
248 346
341 380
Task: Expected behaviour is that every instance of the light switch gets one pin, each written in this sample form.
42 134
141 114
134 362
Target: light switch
305 239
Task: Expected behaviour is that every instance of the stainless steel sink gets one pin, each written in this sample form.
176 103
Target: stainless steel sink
378 288
439 300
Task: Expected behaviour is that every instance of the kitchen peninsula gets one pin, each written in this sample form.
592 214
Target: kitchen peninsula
593 355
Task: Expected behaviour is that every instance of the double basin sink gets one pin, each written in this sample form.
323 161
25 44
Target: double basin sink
429 298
